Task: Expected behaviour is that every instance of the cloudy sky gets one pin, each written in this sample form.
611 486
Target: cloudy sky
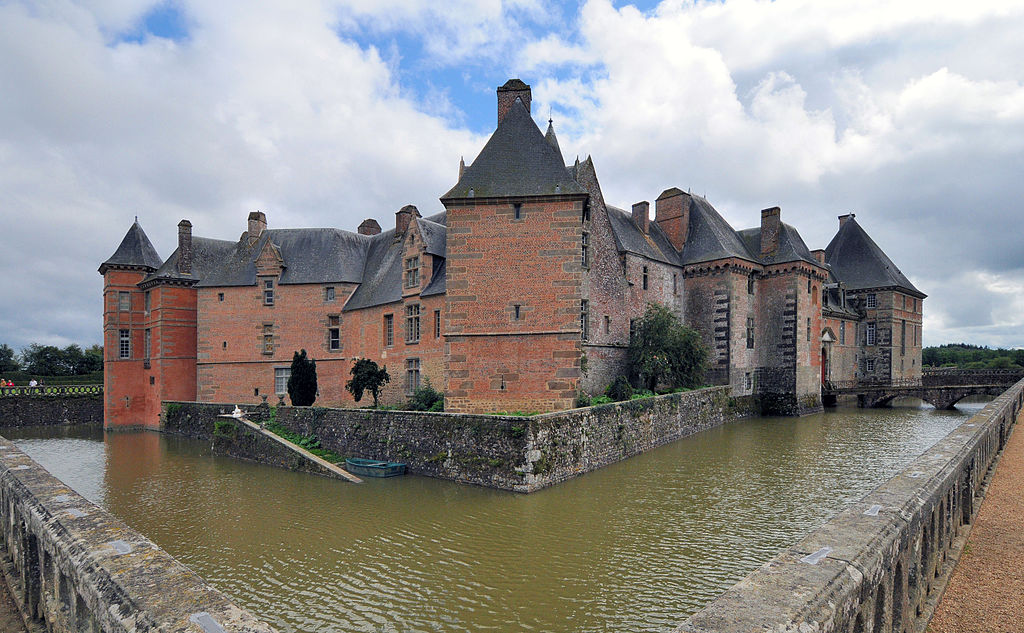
323 113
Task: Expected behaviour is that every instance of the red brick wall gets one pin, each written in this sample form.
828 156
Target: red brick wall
494 262
128 399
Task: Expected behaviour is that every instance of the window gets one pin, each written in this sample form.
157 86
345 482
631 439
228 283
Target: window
872 300
808 328
750 332
632 330
389 330
869 364
585 250
913 305
124 339
147 340
808 286
412 323
437 324
334 333
584 319
917 335
281 376
750 285
268 292
329 293
675 284
748 381
412 272
124 301
149 303
842 332
903 337
869 333
516 311
607 324
517 211
645 278
412 375
268 338
824 298
586 212
220 296
904 298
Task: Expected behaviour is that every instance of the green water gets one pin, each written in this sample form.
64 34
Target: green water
637 546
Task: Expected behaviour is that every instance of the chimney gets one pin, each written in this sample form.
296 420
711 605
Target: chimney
642 216
507 95
257 224
185 247
403 217
771 224
844 218
369 227
819 255
672 213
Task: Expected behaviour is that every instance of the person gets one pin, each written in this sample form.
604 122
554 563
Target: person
32 383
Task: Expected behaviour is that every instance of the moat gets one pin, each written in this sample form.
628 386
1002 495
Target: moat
639 545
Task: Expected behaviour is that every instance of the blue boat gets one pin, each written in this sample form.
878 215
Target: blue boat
373 467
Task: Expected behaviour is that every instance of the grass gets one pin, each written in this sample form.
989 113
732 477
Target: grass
308 442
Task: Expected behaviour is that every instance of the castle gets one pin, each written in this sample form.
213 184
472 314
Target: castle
519 294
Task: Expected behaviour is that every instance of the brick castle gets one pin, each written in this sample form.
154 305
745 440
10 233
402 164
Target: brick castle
519 294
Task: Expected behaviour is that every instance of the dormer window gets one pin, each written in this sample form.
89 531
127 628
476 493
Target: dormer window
268 292
412 272
872 301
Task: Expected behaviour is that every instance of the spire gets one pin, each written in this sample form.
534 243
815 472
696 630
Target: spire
552 139
135 251
462 166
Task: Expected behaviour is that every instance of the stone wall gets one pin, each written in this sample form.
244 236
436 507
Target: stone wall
880 564
523 454
949 377
74 568
45 410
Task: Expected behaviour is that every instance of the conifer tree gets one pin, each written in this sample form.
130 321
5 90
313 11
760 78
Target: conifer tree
302 382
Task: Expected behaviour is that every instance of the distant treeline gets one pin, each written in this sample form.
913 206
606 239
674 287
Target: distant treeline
964 356
54 365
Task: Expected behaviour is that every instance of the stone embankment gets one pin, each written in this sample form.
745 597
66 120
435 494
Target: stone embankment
523 454
71 567
51 406
879 565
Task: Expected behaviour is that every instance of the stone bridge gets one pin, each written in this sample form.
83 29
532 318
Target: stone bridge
941 388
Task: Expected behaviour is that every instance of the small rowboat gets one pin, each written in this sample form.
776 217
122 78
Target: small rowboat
373 467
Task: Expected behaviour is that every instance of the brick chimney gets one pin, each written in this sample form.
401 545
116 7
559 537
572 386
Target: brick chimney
672 213
507 95
185 247
369 227
844 218
642 216
257 224
771 224
403 217
819 255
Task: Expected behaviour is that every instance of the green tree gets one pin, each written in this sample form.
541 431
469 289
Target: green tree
92 360
302 382
664 351
44 360
8 362
367 376
425 398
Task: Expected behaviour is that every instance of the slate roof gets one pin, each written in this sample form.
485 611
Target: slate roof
516 161
135 250
630 239
860 263
791 246
207 256
382 274
710 237
311 256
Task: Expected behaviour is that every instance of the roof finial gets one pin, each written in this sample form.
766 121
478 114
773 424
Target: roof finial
136 219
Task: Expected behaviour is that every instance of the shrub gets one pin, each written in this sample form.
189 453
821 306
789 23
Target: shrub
583 400
367 376
302 383
425 398
664 351
620 389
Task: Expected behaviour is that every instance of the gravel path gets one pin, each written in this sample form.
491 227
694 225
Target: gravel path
986 590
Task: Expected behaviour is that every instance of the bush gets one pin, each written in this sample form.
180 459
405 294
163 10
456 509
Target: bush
425 398
367 376
620 389
664 351
302 383
582 400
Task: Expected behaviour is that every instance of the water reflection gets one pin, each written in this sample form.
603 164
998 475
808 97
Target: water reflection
638 545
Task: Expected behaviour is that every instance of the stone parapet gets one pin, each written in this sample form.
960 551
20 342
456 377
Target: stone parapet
880 564
73 567
51 409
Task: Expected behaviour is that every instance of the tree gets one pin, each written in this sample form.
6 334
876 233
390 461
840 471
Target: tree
44 360
367 376
664 351
302 382
425 398
8 362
